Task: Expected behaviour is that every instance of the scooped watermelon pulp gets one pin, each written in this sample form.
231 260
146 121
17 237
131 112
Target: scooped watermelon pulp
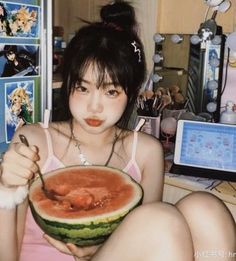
93 201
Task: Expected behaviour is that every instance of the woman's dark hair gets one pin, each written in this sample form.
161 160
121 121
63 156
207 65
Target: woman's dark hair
112 46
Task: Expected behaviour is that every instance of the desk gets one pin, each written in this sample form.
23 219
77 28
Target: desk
178 186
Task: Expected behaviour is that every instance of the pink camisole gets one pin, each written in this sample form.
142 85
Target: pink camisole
35 247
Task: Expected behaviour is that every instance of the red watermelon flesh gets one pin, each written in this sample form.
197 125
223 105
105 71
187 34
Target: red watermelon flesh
84 194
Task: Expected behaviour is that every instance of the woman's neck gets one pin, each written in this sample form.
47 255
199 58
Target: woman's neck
96 140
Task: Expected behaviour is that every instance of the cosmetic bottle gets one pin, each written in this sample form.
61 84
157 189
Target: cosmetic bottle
228 116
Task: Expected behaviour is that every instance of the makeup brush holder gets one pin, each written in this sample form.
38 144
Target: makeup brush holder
151 125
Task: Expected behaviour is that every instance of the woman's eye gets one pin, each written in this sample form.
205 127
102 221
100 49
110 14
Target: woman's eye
81 89
112 93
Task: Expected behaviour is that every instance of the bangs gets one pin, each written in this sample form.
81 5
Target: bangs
105 72
109 65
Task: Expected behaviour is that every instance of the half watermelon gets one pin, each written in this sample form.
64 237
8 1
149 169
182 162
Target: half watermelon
93 202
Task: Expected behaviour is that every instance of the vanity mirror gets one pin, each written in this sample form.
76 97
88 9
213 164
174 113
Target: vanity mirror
193 65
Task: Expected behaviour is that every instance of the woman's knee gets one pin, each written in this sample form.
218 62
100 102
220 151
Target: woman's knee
160 218
200 202
156 211
164 226
155 231
205 214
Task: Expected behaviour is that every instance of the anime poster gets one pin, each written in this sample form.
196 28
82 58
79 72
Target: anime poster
19 106
211 77
19 20
20 66
19 60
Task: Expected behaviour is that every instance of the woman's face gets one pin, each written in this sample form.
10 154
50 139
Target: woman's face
97 109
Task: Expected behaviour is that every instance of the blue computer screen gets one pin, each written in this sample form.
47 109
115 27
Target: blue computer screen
209 145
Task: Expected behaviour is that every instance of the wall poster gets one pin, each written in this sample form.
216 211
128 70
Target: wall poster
20 68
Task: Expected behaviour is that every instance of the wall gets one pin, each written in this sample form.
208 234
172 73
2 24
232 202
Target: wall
230 90
185 16
68 12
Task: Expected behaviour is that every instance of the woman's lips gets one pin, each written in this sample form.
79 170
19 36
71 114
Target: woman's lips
93 122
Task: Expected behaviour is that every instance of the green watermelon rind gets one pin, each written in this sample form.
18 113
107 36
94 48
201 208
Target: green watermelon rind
81 235
90 231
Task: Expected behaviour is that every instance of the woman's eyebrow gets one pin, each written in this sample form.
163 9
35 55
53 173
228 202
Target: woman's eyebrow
104 84
107 84
84 81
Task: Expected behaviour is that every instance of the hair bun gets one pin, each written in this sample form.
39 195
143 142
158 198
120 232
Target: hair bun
119 13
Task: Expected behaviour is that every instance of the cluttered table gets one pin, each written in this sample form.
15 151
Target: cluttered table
178 186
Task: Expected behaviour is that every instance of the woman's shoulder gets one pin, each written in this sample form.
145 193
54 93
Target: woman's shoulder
143 139
145 144
51 138
35 132
148 148
30 131
148 141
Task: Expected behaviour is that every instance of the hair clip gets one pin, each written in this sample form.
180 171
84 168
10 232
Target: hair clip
137 50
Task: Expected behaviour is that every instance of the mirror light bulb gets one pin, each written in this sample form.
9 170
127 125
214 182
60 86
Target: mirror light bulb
216 40
175 38
211 106
215 62
158 38
212 85
156 77
231 41
195 39
157 58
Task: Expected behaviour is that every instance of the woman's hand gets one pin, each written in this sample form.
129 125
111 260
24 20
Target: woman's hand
19 164
79 253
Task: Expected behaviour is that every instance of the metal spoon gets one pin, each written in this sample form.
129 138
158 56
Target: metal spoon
51 194
48 193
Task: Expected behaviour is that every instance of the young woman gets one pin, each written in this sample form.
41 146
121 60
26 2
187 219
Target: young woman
104 69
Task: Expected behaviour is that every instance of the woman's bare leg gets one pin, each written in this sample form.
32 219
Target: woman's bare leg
156 231
212 227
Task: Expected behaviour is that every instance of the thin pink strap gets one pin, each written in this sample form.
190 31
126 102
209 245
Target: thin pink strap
48 139
134 145
46 118
49 142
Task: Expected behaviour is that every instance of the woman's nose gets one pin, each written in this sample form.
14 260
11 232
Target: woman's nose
95 102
